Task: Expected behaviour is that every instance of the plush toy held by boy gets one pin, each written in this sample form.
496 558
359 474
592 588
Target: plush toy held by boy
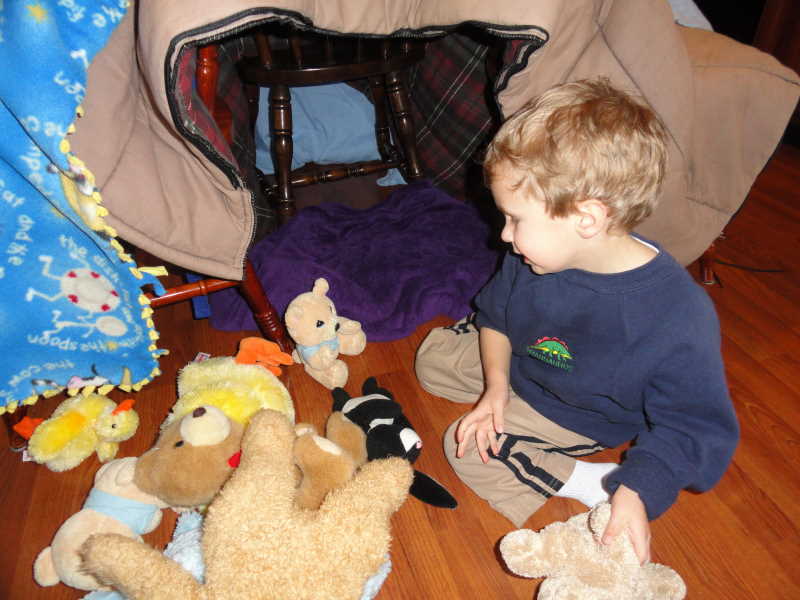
588 336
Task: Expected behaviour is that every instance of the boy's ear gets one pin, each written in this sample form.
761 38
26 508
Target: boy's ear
591 217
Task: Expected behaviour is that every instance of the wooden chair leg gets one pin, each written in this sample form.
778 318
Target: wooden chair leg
382 131
16 442
280 109
707 274
267 318
400 104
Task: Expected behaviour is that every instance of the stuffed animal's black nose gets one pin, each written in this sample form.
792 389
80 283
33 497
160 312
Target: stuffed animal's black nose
198 412
337 327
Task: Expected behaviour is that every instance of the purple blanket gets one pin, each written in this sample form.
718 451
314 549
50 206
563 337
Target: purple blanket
416 255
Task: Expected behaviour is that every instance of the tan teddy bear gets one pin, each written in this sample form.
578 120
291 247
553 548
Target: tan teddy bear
578 567
200 439
326 463
114 505
320 335
192 458
258 544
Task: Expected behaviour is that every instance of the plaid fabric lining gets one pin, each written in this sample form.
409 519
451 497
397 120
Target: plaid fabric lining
194 114
454 121
453 95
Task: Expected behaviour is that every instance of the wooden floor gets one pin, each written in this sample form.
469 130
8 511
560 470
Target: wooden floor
738 541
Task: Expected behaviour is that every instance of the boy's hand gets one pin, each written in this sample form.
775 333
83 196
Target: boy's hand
629 517
483 423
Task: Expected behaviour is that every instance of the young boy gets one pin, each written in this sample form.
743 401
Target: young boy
588 335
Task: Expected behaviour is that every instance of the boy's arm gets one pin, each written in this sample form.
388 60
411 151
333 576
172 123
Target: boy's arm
492 300
485 420
495 359
693 430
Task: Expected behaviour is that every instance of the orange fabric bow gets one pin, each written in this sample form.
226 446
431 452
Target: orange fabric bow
258 351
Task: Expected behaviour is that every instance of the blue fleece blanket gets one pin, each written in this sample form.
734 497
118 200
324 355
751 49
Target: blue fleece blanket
71 308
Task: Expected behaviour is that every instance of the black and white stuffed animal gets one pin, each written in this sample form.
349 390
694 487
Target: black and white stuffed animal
389 433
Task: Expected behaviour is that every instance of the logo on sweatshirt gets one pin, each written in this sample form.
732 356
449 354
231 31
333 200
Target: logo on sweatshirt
552 351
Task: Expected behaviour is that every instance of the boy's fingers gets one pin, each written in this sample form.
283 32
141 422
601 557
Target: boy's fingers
497 420
641 548
641 545
461 448
481 442
611 532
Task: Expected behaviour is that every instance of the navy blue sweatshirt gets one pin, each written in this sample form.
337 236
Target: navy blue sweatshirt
626 356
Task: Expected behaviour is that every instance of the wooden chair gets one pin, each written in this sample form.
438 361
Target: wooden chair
288 58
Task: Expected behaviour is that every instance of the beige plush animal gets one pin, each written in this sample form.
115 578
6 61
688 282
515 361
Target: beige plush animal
578 567
321 335
326 463
258 543
114 505
192 458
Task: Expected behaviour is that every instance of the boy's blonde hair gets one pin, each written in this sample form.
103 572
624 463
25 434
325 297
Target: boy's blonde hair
582 140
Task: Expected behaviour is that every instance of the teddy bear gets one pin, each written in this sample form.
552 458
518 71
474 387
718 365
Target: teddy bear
199 441
79 426
577 567
320 335
191 459
114 505
257 543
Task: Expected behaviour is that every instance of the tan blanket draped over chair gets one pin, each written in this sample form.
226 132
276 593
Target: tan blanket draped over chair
725 105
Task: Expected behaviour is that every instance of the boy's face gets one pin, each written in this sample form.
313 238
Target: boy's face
547 244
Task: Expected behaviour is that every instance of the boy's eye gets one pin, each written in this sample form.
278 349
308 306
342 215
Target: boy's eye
320 323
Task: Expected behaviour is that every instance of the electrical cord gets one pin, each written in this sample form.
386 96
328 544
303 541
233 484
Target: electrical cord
748 268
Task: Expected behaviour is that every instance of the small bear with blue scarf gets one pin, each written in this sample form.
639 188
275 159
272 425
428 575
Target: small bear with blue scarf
321 335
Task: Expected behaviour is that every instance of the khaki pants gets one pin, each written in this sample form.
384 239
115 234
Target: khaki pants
536 455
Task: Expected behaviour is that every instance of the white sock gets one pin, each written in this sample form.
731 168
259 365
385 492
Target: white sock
586 483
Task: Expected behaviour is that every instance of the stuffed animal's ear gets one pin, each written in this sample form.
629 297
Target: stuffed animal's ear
340 396
321 287
371 387
125 468
430 491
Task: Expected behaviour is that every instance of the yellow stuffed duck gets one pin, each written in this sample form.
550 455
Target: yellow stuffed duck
79 426
237 385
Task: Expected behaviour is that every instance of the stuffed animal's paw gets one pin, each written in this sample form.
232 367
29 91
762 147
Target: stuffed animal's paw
348 435
352 339
333 376
119 561
325 467
520 549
